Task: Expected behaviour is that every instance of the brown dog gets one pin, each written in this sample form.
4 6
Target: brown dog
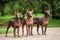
43 22
15 23
28 22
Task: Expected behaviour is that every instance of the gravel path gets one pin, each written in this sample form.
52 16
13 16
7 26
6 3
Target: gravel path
52 34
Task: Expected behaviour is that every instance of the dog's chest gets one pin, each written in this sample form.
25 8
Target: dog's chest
29 21
45 21
17 23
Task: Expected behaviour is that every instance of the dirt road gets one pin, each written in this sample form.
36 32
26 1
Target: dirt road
52 34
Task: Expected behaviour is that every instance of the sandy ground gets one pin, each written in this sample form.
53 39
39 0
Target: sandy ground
52 34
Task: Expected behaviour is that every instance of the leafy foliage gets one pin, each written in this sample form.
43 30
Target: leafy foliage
21 5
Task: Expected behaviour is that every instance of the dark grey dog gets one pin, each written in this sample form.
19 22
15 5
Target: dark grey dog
43 22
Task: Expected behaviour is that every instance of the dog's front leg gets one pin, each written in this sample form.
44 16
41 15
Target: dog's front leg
31 29
18 32
23 29
26 30
45 30
14 32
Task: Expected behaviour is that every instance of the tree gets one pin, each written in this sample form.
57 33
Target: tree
53 4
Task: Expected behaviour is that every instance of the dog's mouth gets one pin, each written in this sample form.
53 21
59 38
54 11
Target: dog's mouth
30 15
48 14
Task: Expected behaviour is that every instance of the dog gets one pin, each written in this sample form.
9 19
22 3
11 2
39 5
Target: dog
28 22
15 23
43 21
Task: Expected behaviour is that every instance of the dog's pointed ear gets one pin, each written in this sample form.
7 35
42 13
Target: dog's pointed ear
32 10
27 11
15 12
20 13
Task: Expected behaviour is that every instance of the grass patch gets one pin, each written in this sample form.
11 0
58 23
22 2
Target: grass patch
3 31
37 15
3 27
6 18
54 22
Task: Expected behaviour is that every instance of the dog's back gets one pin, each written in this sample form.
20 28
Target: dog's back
38 20
11 22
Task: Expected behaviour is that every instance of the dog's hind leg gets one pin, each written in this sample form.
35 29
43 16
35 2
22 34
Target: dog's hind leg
38 29
7 30
45 30
23 29
42 29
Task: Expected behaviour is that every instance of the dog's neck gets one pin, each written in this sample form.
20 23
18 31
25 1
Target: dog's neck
17 19
29 18
46 17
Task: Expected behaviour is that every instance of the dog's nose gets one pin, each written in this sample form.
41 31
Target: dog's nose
31 15
18 16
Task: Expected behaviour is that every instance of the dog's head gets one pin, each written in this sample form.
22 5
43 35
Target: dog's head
18 14
47 12
29 13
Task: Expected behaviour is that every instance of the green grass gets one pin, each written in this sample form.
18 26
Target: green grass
54 22
3 31
2 27
6 18
37 15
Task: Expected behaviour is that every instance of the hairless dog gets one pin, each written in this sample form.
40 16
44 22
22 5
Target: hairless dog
15 23
43 22
28 22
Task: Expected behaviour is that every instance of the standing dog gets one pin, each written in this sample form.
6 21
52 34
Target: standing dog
15 23
28 22
43 22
